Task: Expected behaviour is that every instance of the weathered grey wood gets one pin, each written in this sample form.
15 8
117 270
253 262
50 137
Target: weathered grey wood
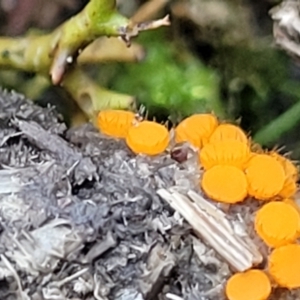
81 217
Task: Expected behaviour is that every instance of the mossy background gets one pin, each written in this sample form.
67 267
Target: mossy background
170 83
221 60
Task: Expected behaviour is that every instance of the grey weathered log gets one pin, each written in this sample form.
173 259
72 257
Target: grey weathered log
109 238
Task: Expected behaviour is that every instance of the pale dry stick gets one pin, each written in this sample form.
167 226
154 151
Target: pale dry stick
211 224
111 49
69 278
173 297
133 29
148 10
221 216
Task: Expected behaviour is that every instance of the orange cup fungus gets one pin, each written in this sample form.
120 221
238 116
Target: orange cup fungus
196 129
228 132
148 137
232 171
293 203
250 285
291 173
277 223
226 184
284 266
265 176
296 206
290 169
115 123
232 153
289 188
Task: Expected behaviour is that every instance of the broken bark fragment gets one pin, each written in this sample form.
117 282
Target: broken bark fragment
212 225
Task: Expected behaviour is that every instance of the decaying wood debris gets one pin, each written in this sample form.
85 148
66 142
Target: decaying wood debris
286 27
84 218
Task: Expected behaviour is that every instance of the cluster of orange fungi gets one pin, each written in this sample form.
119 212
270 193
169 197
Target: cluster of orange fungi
234 169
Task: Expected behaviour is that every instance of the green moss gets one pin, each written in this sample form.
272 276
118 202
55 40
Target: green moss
167 80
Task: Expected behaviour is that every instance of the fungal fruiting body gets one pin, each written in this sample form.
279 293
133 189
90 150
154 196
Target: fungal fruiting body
115 123
293 203
148 137
289 188
291 175
290 169
265 176
234 169
277 223
284 266
196 129
250 285
232 153
228 132
226 184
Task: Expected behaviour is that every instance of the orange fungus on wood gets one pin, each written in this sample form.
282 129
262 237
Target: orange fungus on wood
226 184
293 203
233 153
289 188
250 285
148 137
196 129
291 173
284 266
290 168
225 132
277 223
265 176
115 123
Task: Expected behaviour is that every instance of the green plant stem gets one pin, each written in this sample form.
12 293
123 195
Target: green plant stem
50 53
90 97
275 129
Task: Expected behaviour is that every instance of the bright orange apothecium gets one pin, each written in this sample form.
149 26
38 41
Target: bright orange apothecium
115 123
196 129
148 137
